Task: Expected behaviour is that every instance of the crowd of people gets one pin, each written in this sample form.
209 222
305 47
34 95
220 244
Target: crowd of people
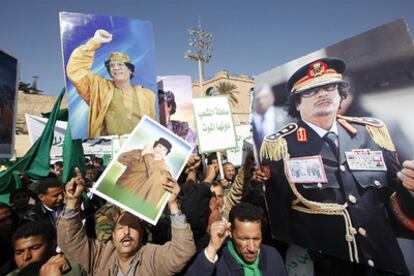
69 231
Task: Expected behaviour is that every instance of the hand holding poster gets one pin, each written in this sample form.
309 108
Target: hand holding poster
214 123
151 156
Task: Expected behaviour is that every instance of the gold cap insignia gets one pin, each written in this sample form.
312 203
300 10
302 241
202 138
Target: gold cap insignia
117 56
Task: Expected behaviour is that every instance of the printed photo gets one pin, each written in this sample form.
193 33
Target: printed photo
133 180
109 64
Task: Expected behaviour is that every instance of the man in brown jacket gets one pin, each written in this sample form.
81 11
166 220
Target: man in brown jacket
125 254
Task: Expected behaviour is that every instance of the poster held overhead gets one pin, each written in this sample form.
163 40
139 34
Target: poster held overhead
175 101
214 124
109 64
331 183
133 180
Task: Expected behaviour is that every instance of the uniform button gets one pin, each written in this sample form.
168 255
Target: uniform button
319 185
377 183
342 168
352 199
371 263
362 231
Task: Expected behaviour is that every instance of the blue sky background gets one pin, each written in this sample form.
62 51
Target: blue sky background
250 37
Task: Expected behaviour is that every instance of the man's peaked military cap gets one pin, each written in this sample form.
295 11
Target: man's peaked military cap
317 73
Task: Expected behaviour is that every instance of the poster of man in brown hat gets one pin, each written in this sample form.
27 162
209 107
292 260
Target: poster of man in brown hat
146 170
104 85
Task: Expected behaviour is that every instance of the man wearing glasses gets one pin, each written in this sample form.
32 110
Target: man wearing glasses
350 220
115 106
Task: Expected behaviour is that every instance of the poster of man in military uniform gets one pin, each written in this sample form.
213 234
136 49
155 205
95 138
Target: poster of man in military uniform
110 69
350 223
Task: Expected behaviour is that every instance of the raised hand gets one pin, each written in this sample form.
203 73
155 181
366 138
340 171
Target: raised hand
219 231
102 36
74 189
406 175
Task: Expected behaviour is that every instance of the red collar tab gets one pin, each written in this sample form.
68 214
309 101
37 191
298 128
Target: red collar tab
347 126
301 135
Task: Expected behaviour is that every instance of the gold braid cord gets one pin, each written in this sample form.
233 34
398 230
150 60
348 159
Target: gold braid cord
381 137
274 150
274 146
329 209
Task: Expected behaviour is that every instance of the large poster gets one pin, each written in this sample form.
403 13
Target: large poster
352 215
175 101
133 180
8 103
109 64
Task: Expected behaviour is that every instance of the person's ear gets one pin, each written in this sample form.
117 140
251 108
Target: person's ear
41 197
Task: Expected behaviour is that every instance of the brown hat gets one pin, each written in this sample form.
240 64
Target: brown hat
117 56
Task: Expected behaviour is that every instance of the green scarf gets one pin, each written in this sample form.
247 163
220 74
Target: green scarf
249 269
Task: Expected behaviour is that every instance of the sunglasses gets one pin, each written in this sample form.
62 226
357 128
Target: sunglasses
313 91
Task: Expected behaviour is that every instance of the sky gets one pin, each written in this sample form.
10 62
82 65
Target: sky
250 37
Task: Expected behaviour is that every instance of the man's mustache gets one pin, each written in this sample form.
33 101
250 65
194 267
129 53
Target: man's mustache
126 238
328 100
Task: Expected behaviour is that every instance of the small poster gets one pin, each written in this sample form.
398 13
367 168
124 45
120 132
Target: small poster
214 124
175 101
235 155
308 169
133 180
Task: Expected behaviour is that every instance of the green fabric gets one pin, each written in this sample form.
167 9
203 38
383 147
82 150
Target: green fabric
106 159
63 115
249 269
36 162
40 161
72 156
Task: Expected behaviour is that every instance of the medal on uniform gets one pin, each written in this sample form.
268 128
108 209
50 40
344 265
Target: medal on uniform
301 135
365 160
308 169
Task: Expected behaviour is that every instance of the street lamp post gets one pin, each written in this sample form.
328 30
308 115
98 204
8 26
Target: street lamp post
201 41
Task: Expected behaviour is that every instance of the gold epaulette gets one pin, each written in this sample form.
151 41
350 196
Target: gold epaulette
376 129
274 146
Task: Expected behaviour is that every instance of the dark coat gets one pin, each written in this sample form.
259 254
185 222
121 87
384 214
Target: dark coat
374 227
39 212
270 263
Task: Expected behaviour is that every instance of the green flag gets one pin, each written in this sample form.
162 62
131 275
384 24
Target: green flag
72 156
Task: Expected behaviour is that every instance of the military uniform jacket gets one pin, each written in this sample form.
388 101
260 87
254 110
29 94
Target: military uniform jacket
349 216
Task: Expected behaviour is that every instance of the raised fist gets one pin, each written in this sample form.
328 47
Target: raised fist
102 36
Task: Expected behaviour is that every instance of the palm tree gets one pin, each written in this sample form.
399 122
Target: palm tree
229 90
